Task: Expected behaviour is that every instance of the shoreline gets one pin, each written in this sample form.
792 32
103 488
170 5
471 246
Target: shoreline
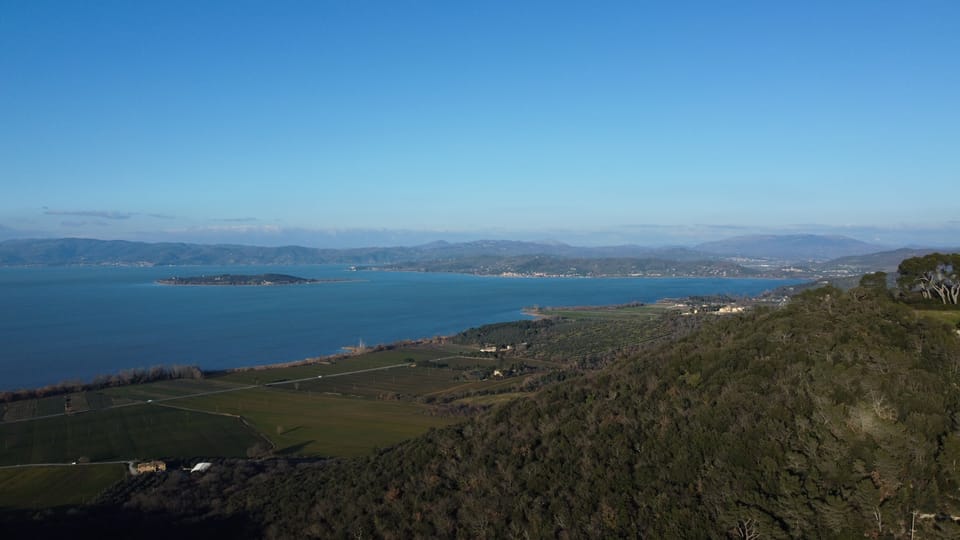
69 387
510 275
524 312
810 276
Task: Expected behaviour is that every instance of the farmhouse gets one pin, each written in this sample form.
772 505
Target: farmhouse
151 466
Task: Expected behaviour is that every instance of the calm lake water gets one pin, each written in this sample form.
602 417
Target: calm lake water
75 323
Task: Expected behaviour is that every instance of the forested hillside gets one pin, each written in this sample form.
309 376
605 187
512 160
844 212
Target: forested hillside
72 251
834 417
530 265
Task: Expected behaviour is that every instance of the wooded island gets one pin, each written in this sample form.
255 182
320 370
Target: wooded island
239 279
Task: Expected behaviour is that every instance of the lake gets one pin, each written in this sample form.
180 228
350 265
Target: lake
74 323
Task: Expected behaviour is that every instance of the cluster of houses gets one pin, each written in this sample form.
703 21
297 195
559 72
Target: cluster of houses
728 309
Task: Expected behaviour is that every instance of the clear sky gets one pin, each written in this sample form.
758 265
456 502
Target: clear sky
331 122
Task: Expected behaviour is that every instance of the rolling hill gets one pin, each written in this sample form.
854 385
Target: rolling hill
834 417
74 251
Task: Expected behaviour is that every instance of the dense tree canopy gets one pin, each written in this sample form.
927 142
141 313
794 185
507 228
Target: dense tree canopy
835 417
936 275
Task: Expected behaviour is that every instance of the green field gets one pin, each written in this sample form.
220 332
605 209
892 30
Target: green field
313 424
469 362
333 412
101 399
30 408
387 383
79 402
139 431
469 388
166 389
355 363
341 414
45 487
98 400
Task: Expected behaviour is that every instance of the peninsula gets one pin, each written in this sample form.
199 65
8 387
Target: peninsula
239 279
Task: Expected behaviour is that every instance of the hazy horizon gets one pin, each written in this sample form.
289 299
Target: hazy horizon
343 124
347 239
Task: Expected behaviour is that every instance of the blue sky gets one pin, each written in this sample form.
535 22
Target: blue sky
361 122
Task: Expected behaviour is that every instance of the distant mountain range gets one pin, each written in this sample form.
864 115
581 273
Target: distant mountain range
811 250
71 251
552 266
797 247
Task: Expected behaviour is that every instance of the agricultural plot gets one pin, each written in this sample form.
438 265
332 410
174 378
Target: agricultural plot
52 405
32 408
97 400
139 431
365 361
79 402
491 362
167 389
574 335
471 388
46 487
384 384
18 410
313 424
468 362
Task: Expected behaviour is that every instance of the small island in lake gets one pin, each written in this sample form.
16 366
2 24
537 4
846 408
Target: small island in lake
238 279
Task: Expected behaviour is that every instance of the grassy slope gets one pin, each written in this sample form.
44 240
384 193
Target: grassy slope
302 423
398 381
322 418
313 424
44 487
165 389
365 361
140 431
